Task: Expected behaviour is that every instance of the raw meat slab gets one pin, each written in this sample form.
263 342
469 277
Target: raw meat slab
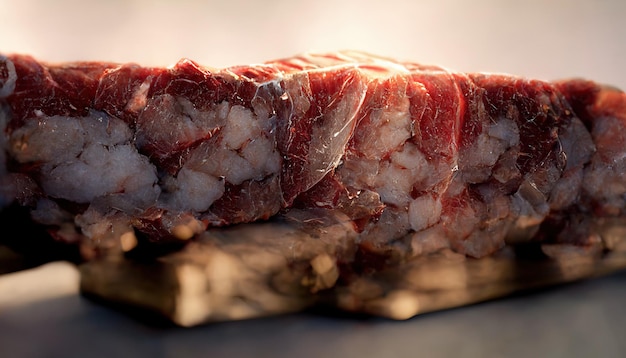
341 180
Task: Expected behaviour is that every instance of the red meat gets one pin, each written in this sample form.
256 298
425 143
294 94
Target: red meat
406 151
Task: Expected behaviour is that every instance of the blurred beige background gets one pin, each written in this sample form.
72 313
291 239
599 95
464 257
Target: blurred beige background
543 39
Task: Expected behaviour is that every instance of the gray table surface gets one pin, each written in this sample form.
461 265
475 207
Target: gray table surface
45 316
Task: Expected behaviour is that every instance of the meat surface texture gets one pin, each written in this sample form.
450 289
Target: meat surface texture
104 154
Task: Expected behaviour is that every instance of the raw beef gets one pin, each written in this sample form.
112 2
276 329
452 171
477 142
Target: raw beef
105 154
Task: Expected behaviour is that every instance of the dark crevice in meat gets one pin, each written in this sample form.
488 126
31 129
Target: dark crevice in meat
33 240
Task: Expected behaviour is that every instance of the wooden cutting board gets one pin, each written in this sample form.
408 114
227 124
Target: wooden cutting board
286 266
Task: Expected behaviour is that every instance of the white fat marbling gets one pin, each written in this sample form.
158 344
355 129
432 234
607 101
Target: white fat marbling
85 158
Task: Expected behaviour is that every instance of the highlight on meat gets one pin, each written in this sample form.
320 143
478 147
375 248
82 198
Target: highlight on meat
103 154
